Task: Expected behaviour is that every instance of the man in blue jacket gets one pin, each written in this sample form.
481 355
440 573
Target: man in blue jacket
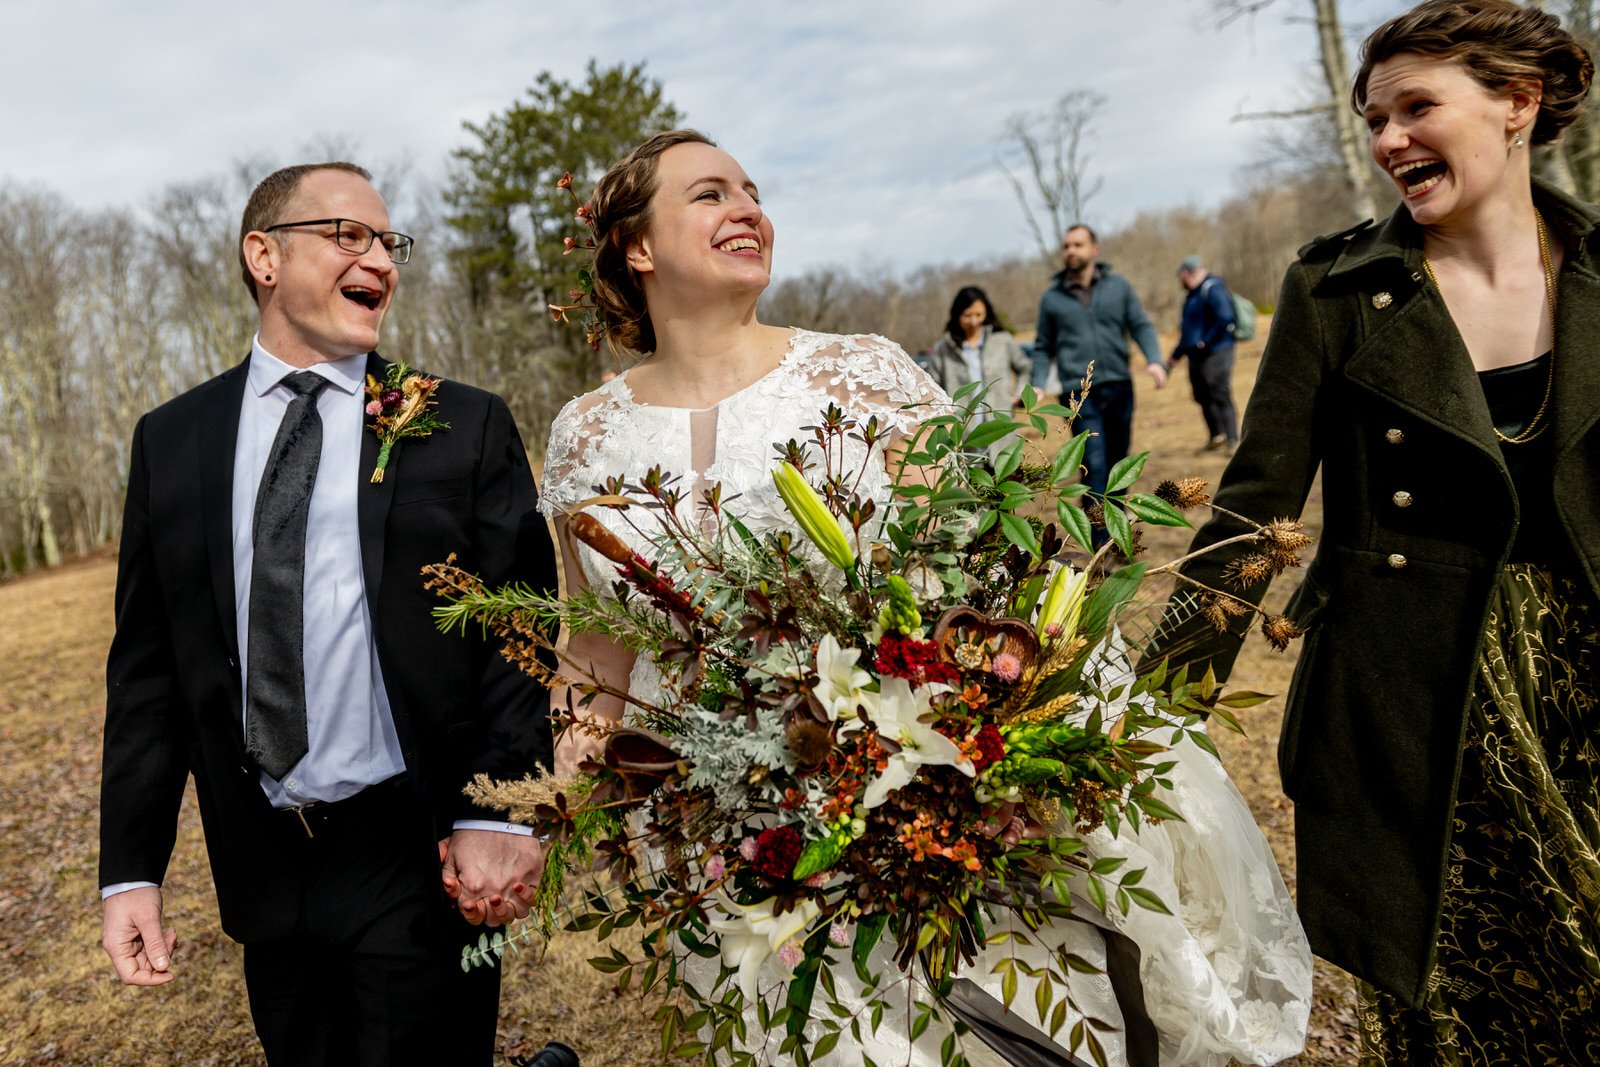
1085 317
1206 337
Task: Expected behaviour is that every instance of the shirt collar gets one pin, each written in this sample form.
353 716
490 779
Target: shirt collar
267 370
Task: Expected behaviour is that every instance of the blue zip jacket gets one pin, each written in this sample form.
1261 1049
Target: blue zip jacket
1208 318
1074 336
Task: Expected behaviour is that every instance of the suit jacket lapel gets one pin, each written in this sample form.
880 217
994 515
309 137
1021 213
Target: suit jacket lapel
373 500
219 433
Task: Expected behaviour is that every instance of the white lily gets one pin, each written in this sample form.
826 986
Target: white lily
750 933
904 716
840 681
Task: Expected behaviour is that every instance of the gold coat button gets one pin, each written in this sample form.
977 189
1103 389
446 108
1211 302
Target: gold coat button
1397 561
1402 499
1394 436
1381 300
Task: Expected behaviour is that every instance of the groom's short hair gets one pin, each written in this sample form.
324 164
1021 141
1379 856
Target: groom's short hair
270 197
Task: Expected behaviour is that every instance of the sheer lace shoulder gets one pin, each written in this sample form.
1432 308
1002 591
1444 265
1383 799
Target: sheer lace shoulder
575 434
867 375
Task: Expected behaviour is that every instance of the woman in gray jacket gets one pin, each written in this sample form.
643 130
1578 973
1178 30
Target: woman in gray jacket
976 347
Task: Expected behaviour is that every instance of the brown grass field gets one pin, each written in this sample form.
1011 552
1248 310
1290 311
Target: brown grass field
60 1004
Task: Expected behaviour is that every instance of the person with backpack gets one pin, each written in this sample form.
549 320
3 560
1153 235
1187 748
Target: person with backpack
1206 336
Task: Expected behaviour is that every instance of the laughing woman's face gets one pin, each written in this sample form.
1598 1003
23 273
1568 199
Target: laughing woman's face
1442 137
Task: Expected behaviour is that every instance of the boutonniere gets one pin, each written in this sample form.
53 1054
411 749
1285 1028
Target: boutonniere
399 408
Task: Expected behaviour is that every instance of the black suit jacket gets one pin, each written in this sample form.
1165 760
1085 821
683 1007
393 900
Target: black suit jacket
174 697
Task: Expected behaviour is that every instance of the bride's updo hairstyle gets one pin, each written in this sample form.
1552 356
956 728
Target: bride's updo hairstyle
621 207
1500 43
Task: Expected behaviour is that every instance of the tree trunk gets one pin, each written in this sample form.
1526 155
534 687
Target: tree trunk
1352 138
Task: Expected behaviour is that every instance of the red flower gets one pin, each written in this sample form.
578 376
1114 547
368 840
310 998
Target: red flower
990 745
391 397
777 851
916 661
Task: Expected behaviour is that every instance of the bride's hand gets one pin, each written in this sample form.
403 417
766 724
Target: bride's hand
1012 824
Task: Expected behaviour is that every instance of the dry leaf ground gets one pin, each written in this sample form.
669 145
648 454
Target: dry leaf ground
59 1003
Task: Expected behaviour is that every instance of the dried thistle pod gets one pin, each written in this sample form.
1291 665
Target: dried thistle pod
1184 493
1279 631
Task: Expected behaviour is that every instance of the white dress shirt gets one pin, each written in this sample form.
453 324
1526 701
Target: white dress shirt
349 728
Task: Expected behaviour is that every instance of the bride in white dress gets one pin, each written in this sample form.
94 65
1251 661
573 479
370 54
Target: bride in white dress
684 253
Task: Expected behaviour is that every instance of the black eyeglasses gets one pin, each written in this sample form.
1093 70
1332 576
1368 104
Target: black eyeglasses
356 237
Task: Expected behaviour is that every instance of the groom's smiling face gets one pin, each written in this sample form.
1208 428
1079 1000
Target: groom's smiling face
327 303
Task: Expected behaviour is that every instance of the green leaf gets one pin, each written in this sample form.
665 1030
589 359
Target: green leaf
1155 511
825 1044
801 988
1009 460
1119 528
1076 524
1110 596
1148 900
1008 986
1069 458
1097 892
1243 698
1019 533
1126 472
987 433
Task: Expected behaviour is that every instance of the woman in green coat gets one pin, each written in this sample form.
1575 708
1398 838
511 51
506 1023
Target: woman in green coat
1442 735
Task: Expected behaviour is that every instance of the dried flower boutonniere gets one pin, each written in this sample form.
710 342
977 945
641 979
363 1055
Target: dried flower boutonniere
399 408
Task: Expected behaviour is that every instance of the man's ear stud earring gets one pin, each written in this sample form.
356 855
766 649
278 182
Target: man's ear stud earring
267 278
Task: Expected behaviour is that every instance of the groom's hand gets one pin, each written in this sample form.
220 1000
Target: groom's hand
491 875
132 936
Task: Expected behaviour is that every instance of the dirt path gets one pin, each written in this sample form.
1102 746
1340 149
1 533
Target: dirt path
59 1003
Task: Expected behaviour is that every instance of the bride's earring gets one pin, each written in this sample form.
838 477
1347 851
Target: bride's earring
1517 142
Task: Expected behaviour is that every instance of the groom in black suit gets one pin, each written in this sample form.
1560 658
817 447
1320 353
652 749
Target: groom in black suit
273 639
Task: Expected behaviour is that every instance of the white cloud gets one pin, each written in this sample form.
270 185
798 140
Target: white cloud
870 126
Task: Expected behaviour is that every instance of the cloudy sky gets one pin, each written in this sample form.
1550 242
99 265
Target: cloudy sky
871 125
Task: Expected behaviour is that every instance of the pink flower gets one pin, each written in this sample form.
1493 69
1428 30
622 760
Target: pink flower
839 934
818 880
374 408
565 181
1054 630
715 867
791 954
1007 667
747 848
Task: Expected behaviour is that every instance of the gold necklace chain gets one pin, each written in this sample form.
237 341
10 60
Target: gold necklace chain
1534 428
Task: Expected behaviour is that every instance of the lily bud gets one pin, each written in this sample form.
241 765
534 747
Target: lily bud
1063 603
816 521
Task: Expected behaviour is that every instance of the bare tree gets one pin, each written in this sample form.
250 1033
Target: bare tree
1334 59
1049 149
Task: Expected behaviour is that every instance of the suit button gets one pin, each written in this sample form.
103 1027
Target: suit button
1397 561
1394 436
1402 499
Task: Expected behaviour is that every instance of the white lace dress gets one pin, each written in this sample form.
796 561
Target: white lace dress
1228 975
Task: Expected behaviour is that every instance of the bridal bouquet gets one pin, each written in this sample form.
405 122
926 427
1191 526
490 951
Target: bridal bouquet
880 738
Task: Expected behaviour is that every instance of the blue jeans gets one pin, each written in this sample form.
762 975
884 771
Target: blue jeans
1107 414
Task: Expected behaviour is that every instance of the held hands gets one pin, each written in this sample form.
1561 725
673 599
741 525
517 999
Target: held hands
140 949
1159 373
491 875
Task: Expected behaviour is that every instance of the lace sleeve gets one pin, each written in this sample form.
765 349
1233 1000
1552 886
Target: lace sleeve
570 455
870 375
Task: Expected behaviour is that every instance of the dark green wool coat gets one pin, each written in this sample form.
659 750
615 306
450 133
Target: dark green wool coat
1366 377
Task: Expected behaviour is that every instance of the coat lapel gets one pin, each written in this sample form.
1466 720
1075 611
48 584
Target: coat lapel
1415 359
219 432
373 499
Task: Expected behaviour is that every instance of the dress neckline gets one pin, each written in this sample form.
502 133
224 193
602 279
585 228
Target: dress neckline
624 392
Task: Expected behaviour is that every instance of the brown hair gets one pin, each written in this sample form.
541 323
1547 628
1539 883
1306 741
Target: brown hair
1500 43
621 212
271 196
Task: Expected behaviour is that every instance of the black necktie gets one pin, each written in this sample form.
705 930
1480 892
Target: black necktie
275 697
